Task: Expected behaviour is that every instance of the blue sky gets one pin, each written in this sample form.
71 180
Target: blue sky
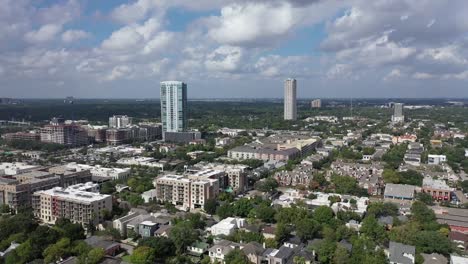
234 48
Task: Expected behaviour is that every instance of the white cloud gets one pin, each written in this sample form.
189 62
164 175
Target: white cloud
225 59
44 34
251 22
393 75
119 72
70 36
340 71
160 42
422 75
123 39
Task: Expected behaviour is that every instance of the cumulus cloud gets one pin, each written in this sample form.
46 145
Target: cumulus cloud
119 72
225 59
70 36
44 34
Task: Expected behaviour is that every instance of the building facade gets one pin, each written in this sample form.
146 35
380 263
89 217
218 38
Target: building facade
65 134
120 121
290 104
174 106
187 193
317 103
398 116
78 206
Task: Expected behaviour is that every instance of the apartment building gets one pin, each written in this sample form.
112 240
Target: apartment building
13 168
65 134
16 190
185 192
71 203
266 154
30 136
236 174
102 172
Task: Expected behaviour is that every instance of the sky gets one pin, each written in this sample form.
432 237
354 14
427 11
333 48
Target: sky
234 48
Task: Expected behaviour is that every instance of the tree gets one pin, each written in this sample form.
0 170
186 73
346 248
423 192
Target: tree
57 251
164 247
242 207
264 212
425 198
224 211
422 214
95 256
267 185
323 214
108 187
372 229
282 232
306 229
432 241
69 229
183 235
341 255
143 255
236 256
210 206
379 209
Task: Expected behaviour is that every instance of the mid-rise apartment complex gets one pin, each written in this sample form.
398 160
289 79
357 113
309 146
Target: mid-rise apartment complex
185 192
83 207
317 103
65 134
120 121
290 104
16 190
174 106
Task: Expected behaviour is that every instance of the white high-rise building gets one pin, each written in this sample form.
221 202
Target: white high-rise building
290 105
174 106
398 116
119 121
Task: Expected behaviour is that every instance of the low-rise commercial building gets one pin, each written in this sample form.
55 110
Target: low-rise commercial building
438 189
399 191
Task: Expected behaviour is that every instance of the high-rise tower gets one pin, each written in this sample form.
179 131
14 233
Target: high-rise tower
398 116
290 105
174 106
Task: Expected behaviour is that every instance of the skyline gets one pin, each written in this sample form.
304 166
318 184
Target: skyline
224 49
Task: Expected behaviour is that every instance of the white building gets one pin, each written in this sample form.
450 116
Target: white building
230 131
436 159
398 116
98 171
149 195
70 203
184 192
13 168
290 101
120 121
141 161
174 106
227 226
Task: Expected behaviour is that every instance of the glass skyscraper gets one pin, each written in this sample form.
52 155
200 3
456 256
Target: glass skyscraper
174 106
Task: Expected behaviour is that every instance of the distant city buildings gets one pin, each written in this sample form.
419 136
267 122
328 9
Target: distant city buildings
120 121
290 101
65 134
398 116
317 103
174 106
